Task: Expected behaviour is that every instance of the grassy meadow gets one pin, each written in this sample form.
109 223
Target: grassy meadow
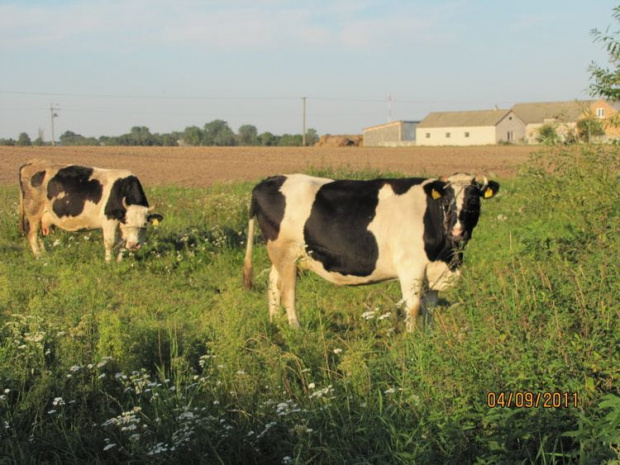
164 358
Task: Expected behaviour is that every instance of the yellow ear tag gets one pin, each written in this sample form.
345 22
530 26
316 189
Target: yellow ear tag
155 222
435 194
488 193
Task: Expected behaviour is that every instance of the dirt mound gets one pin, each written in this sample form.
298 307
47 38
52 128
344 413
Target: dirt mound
340 141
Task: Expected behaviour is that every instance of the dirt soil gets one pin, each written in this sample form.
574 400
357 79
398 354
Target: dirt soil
204 166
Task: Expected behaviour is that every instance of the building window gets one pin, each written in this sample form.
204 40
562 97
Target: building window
447 135
600 113
510 136
466 134
428 135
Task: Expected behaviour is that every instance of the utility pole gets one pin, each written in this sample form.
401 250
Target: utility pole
389 108
53 114
303 133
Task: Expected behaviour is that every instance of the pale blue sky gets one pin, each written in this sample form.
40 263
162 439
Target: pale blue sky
168 64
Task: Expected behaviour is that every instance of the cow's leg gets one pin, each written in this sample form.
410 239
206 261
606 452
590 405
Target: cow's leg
288 282
284 259
273 293
36 244
411 285
109 239
429 302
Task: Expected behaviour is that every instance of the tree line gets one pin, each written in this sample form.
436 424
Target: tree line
214 133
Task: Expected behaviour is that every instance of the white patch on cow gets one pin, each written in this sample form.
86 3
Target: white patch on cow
440 277
459 182
136 220
299 191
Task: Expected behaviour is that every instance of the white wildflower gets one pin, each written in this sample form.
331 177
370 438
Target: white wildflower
369 315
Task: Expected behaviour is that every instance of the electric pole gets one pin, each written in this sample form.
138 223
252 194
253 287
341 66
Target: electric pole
303 133
53 114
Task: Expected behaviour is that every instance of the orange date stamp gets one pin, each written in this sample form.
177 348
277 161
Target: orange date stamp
527 399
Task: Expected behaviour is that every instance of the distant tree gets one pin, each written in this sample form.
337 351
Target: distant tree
267 139
607 80
23 140
589 128
192 136
141 135
71 138
38 142
8 142
290 140
547 135
169 140
312 137
247 135
217 132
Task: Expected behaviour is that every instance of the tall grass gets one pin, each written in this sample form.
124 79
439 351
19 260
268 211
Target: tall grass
163 358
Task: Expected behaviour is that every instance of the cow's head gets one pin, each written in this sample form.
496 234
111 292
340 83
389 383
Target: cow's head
133 228
460 201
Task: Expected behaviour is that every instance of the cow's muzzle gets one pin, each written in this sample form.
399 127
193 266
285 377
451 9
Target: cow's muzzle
133 246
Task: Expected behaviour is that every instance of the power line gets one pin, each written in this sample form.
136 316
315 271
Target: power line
139 97
214 98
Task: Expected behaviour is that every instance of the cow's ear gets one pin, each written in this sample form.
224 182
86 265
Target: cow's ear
435 189
489 190
155 218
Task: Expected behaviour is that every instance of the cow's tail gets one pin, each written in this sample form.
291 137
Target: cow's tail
23 222
247 261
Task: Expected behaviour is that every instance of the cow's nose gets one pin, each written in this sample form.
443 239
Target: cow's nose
133 245
457 233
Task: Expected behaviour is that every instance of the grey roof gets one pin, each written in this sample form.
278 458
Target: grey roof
401 121
538 112
455 119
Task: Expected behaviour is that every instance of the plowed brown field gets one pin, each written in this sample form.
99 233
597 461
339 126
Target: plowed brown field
204 166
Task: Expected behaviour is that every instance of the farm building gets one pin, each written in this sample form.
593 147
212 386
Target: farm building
481 127
564 116
394 134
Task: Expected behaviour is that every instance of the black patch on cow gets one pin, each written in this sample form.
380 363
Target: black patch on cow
440 217
37 179
336 233
268 205
70 188
128 188
437 244
470 214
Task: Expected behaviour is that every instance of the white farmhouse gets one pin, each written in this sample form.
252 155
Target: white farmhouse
481 127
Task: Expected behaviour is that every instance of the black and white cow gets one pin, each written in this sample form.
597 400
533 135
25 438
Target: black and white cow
361 232
74 197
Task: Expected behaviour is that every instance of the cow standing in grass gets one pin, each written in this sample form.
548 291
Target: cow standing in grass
362 232
74 197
